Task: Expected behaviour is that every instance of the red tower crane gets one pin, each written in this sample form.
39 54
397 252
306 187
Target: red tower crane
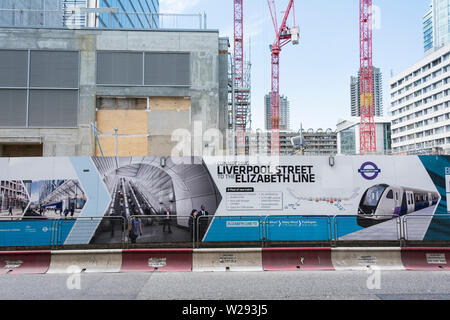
367 127
284 35
240 111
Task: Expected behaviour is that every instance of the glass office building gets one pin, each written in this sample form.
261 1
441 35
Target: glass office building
114 14
428 31
436 25
132 14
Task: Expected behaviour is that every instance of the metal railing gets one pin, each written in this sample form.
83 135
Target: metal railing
112 18
251 231
355 228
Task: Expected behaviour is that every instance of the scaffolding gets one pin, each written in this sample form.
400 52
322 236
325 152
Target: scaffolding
239 106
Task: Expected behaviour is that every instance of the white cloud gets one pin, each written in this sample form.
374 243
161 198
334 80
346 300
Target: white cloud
176 6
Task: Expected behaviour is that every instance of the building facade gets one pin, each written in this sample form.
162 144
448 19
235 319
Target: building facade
436 26
355 96
420 105
116 14
285 115
13 196
348 135
70 92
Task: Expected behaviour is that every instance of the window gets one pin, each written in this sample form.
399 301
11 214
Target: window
390 195
119 68
13 68
46 88
167 69
436 62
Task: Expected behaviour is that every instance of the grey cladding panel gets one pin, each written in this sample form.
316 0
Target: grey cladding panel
13 108
54 69
53 108
119 68
166 69
13 68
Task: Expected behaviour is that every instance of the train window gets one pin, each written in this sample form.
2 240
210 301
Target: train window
390 195
373 195
396 196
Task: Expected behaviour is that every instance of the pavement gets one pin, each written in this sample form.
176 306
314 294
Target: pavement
301 285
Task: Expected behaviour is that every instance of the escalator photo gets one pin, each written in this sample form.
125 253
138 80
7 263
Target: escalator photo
152 200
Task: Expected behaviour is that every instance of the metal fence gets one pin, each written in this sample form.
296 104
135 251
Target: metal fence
251 231
103 18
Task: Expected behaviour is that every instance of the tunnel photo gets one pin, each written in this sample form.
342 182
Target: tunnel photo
156 199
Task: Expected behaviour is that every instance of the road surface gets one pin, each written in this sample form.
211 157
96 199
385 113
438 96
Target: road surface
324 285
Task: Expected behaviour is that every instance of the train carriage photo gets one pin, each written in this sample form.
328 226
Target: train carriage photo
384 202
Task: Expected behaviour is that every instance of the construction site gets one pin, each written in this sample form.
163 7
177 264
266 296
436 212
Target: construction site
115 119
105 90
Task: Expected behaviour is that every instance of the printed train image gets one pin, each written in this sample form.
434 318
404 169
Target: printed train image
383 202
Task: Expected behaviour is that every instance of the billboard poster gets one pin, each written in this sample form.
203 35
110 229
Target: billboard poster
238 199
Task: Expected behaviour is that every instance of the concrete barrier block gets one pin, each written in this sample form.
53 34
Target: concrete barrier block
95 261
426 258
227 260
22 262
367 258
289 259
162 260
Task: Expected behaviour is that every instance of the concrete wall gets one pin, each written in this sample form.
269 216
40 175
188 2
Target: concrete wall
206 105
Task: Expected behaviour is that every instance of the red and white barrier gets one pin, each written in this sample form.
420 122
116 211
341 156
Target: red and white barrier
22 262
286 259
232 259
163 260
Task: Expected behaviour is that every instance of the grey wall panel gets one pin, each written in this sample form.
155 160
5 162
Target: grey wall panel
165 69
53 108
54 69
119 68
13 108
13 68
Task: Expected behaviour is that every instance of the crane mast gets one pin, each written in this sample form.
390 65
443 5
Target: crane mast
284 35
240 112
367 126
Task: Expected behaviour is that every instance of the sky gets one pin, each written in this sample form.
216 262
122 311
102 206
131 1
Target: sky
315 75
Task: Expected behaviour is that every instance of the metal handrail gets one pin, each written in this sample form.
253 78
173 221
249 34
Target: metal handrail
333 225
85 15
388 217
405 219
268 217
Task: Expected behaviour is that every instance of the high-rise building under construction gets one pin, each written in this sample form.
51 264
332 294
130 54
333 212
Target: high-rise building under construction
355 94
284 113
